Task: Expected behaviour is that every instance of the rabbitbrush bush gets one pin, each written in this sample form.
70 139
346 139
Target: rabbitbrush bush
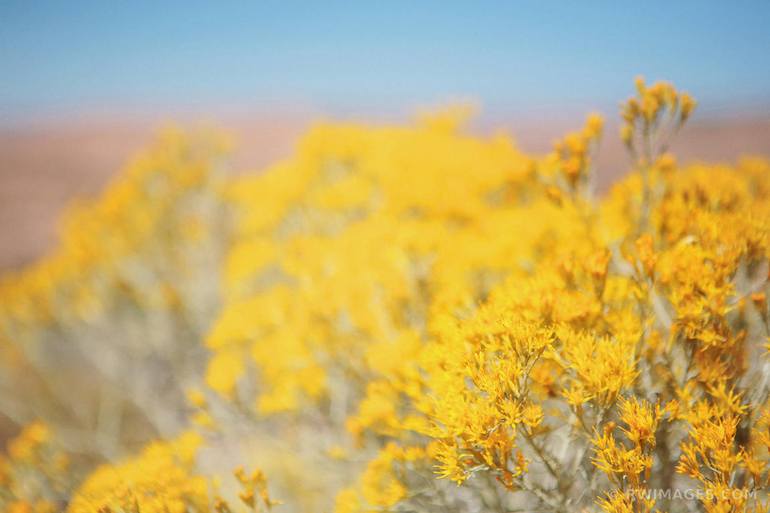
400 319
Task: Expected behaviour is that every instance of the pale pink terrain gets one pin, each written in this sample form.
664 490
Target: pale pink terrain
45 166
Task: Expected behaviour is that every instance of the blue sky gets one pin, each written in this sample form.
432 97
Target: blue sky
359 56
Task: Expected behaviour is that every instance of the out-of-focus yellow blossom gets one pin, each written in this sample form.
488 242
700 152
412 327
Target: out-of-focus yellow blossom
25 446
485 316
573 154
323 278
159 480
254 492
134 278
35 474
419 319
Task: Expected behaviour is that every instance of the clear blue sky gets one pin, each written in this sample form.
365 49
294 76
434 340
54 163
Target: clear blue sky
376 55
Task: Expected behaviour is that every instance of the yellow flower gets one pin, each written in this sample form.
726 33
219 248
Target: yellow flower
160 480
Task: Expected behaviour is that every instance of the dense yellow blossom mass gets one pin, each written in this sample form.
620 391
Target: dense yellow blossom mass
417 319
159 480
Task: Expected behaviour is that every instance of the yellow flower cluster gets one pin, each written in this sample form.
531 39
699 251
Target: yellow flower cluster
629 468
131 278
572 155
433 321
159 480
649 117
488 329
145 211
341 251
35 476
489 355
254 486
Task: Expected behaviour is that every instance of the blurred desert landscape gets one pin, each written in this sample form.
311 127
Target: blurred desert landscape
46 164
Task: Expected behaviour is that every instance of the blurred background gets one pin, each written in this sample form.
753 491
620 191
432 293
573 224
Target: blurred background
86 84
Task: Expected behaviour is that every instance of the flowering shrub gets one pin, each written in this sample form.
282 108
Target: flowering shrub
408 319
101 338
